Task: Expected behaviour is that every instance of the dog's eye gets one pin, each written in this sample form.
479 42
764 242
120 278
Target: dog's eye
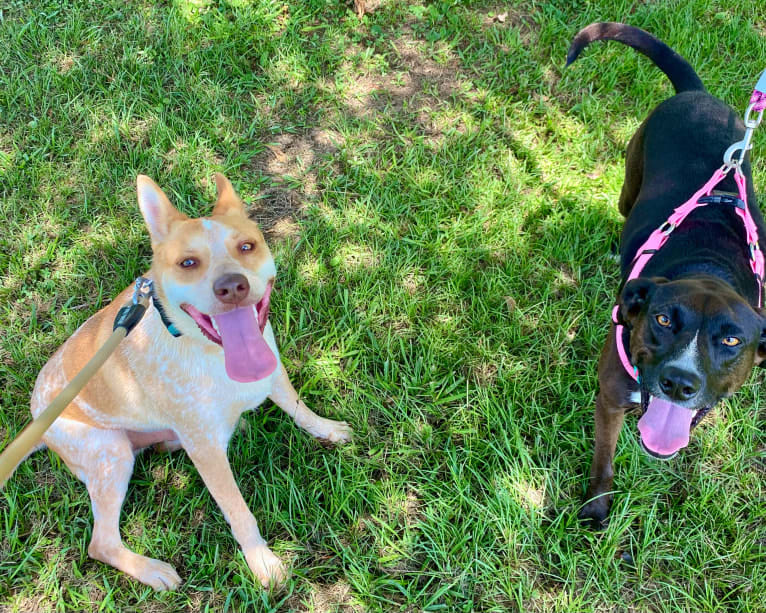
731 341
246 247
188 263
663 320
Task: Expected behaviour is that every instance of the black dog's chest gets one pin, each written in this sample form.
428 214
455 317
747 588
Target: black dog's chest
711 240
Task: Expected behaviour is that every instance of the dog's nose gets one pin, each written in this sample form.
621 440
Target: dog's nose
231 288
679 384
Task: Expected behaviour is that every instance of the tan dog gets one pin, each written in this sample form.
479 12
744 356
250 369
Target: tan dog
213 277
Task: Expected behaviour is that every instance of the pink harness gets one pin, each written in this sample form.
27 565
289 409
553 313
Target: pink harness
658 238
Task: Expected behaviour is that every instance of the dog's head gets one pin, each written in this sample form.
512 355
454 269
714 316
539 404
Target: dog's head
694 341
213 276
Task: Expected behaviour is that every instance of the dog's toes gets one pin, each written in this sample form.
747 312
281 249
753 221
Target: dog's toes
340 433
160 575
266 566
154 573
329 431
595 512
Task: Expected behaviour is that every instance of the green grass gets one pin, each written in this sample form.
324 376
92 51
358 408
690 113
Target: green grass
441 204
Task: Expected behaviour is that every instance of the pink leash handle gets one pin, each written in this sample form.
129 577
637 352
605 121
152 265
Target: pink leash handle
758 98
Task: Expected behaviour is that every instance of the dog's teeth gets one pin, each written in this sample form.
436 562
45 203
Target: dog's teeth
215 326
255 310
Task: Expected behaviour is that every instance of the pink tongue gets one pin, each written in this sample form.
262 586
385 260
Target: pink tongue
665 426
248 357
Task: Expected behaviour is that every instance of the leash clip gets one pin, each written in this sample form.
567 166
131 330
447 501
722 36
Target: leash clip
740 148
143 291
129 316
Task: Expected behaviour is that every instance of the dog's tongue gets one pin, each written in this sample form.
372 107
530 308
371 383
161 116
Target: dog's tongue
248 357
665 426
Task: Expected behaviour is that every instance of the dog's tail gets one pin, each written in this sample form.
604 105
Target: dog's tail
678 70
37 447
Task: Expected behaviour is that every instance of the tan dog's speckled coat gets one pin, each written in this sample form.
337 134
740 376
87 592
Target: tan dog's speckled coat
157 389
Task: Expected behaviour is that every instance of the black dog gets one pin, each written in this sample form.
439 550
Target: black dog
693 329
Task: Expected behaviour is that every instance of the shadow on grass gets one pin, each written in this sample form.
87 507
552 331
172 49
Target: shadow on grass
439 203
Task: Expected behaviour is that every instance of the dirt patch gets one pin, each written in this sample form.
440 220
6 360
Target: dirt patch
418 80
27 604
505 16
292 162
334 598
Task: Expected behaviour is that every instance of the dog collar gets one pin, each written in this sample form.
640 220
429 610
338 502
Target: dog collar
164 316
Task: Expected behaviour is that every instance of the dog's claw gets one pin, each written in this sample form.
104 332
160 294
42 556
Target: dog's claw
164 577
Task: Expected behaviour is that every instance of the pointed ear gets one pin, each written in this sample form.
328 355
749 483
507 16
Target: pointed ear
157 210
228 202
636 295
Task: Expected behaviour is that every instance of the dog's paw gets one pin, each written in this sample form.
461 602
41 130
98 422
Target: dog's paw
596 511
160 575
335 432
267 567
340 433
154 573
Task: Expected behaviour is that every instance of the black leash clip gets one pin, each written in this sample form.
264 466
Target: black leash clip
129 316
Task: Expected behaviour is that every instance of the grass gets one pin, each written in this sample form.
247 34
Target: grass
440 199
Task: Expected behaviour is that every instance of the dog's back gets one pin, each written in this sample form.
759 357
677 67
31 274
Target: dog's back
679 144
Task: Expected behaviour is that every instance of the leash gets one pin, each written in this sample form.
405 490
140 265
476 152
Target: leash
127 319
732 161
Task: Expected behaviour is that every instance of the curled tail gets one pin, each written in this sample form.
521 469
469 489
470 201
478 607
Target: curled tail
677 69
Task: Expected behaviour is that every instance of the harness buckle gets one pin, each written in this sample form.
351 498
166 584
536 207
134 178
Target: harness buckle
723 199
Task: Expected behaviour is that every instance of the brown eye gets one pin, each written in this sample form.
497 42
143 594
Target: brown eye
663 320
731 341
245 247
188 263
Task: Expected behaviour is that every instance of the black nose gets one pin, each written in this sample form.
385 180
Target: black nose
231 288
679 384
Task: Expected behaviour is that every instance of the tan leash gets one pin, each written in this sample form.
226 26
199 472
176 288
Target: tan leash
126 320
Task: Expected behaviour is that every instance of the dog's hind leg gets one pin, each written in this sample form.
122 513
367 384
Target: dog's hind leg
103 460
283 394
634 172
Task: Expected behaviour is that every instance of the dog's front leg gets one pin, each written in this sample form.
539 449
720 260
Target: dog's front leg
213 466
608 425
614 397
283 394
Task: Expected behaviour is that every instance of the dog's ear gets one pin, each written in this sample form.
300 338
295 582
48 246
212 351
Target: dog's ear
159 214
635 296
228 203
